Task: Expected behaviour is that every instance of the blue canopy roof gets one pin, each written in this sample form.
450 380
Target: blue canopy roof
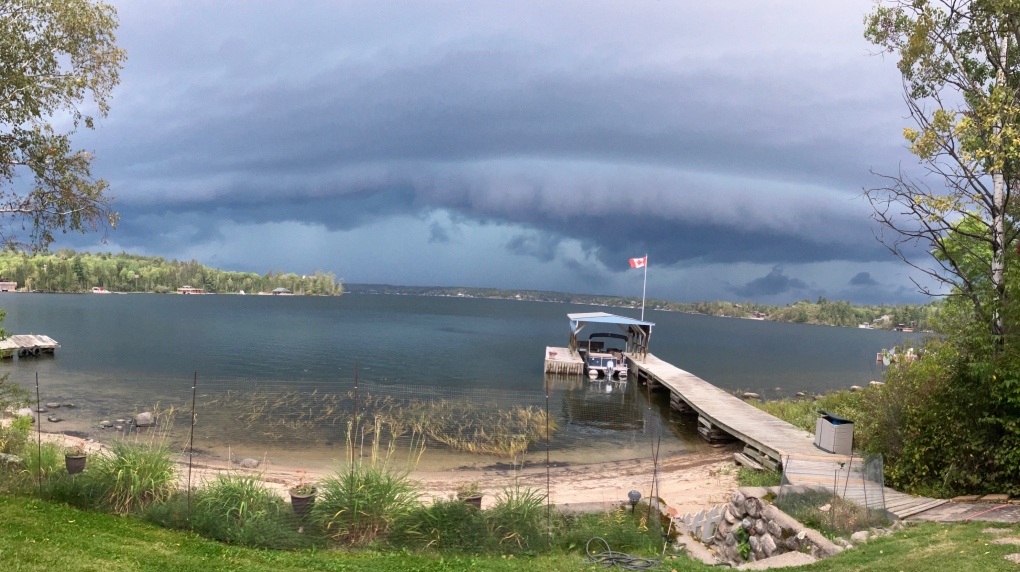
604 318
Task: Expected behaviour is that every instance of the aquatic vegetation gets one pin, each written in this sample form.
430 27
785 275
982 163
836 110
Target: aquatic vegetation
482 426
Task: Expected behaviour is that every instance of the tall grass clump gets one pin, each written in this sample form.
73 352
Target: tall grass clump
237 509
44 461
516 518
361 501
133 475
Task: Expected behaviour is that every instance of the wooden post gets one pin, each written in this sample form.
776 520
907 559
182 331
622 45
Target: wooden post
191 439
38 434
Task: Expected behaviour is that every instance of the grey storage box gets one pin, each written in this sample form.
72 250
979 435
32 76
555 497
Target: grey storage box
834 433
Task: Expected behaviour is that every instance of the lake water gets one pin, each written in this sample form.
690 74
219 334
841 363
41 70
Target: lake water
121 352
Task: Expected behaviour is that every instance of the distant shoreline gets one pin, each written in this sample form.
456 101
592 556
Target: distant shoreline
823 312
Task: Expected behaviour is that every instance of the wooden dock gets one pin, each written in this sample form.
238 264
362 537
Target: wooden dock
562 361
27 345
770 441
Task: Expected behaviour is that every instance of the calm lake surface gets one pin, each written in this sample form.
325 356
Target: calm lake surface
116 349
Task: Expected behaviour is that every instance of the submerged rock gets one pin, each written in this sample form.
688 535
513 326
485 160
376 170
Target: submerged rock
249 463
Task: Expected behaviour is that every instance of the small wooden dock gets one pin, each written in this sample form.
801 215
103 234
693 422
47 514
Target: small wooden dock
561 361
27 345
768 440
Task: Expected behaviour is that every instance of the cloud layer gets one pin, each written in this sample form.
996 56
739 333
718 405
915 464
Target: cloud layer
564 137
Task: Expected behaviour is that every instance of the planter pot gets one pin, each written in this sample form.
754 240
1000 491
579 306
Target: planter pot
302 504
475 501
74 463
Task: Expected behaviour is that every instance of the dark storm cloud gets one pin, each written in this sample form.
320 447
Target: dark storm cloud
863 279
775 282
438 233
632 130
542 246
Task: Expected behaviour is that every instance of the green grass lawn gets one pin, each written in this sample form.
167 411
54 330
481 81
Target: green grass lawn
41 536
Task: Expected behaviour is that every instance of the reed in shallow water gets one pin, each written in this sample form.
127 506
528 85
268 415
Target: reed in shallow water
481 426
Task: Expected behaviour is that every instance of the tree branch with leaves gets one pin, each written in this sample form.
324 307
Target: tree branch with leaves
961 82
59 63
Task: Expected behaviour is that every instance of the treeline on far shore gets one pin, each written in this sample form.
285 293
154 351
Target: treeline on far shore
70 271
820 311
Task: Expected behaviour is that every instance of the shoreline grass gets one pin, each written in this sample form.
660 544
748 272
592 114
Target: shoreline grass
37 536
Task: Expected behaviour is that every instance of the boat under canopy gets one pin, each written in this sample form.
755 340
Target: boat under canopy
637 332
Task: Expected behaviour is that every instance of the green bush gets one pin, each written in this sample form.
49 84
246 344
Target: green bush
133 475
445 525
14 437
360 503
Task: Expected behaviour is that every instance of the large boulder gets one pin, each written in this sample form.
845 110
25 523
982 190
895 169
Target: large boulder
144 419
249 463
25 412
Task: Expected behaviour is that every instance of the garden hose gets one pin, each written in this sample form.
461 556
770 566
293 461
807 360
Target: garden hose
610 558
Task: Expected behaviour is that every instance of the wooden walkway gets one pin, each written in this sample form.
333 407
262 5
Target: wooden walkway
772 441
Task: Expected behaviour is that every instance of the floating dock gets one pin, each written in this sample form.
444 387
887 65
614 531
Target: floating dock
561 361
769 441
27 345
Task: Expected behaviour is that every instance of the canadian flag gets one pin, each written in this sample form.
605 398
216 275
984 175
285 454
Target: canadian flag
639 262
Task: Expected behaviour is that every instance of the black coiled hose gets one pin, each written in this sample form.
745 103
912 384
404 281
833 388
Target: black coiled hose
610 558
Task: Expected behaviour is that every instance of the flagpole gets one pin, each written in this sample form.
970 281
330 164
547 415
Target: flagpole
643 287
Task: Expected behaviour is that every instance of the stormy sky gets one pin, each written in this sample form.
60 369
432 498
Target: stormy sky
532 145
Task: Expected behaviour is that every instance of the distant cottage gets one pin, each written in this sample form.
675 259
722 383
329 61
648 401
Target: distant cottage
190 290
8 286
281 292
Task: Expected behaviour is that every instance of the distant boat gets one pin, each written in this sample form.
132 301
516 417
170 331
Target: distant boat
241 293
864 326
100 290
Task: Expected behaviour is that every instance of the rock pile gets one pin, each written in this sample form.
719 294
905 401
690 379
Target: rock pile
755 527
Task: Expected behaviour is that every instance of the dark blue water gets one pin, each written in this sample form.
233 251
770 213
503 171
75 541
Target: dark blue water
451 342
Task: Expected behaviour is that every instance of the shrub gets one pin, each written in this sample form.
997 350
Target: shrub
133 475
444 525
14 437
361 502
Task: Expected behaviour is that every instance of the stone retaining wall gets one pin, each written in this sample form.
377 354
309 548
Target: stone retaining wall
769 532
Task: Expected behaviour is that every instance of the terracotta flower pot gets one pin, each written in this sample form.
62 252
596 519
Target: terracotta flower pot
302 503
74 463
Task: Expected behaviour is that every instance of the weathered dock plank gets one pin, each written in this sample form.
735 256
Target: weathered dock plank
27 344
